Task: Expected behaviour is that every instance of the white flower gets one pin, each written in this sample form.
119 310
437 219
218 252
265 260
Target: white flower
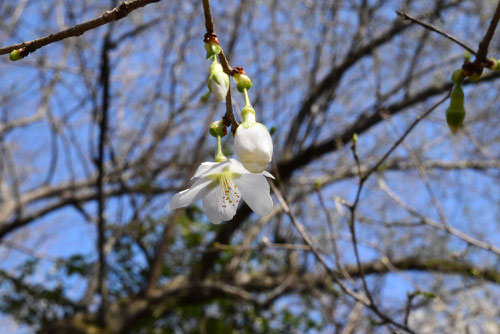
222 185
253 146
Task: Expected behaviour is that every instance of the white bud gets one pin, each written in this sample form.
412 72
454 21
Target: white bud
253 146
218 84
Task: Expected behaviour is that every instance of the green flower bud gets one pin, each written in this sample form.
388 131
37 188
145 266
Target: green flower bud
467 56
475 77
15 55
248 116
355 138
490 64
217 129
457 77
455 113
496 66
212 49
242 82
215 68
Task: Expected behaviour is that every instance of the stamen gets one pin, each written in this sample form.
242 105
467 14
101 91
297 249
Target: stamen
229 193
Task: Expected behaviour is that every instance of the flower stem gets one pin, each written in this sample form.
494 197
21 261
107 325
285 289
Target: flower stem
220 156
247 99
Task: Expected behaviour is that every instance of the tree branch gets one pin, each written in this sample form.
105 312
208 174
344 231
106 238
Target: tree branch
482 50
437 30
114 14
101 199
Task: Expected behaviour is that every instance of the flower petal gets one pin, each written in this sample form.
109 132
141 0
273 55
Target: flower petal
237 167
230 203
254 167
265 173
254 147
217 206
188 196
203 168
210 168
210 206
255 192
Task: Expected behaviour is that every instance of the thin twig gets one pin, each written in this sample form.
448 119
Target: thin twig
335 246
405 134
435 29
408 307
161 248
451 230
115 14
482 50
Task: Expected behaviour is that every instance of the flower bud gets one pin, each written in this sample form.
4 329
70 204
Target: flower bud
212 49
242 82
496 65
455 113
457 77
248 115
15 55
252 142
218 84
475 77
216 67
217 128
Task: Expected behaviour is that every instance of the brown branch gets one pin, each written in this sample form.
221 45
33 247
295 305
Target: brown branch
115 14
482 51
228 118
435 29
209 22
441 266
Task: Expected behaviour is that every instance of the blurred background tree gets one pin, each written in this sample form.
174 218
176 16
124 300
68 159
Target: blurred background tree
98 132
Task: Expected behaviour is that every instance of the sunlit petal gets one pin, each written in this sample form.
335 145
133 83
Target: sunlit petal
188 196
254 190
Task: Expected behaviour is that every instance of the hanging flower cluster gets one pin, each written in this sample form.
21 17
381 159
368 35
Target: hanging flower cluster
223 183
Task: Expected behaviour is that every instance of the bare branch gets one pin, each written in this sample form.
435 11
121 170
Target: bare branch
437 30
115 14
482 50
